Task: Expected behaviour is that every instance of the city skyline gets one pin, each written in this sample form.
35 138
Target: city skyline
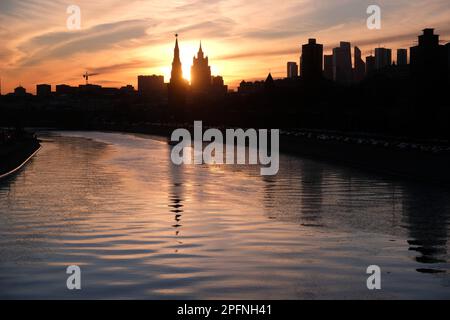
143 45
341 66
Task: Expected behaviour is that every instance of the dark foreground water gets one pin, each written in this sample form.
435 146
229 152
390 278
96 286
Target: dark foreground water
140 227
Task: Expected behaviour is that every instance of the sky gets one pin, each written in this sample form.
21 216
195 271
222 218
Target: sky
119 40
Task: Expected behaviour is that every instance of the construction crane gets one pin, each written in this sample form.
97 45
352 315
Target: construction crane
87 75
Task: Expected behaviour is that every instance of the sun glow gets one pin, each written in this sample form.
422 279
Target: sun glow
187 52
189 49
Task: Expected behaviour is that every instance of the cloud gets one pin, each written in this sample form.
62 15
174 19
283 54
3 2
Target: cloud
218 28
59 45
245 37
258 53
112 68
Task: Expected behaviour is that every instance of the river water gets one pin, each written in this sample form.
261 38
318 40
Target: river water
140 227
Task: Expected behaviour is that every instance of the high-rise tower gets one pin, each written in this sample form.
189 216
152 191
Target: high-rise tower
177 86
342 63
311 61
200 72
176 76
429 60
359 71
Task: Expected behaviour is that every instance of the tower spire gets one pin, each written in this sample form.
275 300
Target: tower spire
176 51
177 73
200 51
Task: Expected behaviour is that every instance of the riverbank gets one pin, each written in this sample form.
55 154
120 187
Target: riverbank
415 164
16 151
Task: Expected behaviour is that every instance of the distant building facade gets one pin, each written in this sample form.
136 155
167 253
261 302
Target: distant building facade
342 63
311 62
292 70
383 58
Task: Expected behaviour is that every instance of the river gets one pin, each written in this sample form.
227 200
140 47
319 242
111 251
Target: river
140 227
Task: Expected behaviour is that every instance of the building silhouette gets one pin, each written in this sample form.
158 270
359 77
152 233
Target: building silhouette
20 91
383 58
311 61
177 86
128 89
247 87
328 66
43 90
370 65
429 60
342 63
200 73
269 83
176 76
292 70
448 54
359 71
402 57
151 85
64 89
91 89
218 87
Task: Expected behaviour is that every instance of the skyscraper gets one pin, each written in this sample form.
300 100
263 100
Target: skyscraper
342 63
200 72
176 77
177 86
370 65
429 59
311 60
383 58
402 57
328 66
360 67
292 70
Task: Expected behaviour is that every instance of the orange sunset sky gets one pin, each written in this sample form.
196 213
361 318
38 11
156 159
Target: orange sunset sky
243 39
